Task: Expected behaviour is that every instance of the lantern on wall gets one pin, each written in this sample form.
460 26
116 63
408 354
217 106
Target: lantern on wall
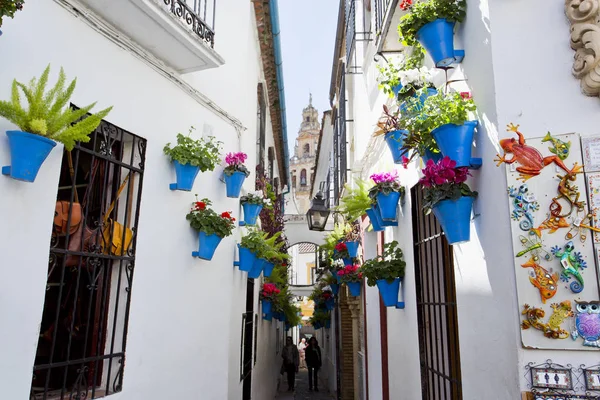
317 214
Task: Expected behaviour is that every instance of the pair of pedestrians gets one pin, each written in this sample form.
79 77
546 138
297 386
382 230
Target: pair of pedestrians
291 362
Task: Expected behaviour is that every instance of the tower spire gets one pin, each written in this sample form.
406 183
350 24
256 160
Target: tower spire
310 99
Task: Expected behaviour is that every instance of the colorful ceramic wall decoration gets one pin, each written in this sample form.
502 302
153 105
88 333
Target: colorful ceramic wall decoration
572 263
551 167
524 205
587 322
551 329
529 158
542 280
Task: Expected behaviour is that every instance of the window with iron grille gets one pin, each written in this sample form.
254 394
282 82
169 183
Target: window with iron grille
198 15
81 347
436 307
261 125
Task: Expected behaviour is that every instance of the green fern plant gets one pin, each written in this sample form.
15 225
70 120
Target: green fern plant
47 114
355 202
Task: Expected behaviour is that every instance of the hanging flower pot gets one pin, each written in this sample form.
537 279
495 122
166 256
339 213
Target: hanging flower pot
396 89
268 269
27 154
455 141
375 219
330 303
251 212
267 317
234 183
388 205
247 259
257 268
389 291
395 141
430 155
347 261
455 218
418 106
317 326
185 174
207 244
352 248
335 288
354 288
328 324
267 306
438 39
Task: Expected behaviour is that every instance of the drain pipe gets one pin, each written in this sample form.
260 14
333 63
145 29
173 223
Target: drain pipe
274 11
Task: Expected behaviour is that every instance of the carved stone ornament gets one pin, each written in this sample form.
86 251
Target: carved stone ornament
584 16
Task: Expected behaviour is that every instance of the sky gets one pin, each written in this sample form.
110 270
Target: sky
307 41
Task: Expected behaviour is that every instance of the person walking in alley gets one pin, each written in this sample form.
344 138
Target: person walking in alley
301 347
313 360
291 360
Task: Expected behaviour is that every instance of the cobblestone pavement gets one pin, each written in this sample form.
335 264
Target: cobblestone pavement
301 392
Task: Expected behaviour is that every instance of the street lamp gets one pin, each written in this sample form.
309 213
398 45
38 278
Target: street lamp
317 214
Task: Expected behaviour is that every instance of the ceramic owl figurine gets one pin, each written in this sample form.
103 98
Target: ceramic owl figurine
587 322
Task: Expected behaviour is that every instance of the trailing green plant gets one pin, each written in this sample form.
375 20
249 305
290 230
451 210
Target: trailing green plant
48 114
389 266
355 201
423 12
203 153
443 181
204 219
8 8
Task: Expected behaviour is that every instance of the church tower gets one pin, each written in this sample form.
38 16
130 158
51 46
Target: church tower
302 164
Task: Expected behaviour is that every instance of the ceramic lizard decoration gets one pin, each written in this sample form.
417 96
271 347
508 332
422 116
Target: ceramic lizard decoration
529 158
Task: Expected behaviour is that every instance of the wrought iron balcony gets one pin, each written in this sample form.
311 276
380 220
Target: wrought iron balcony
181 33
194 14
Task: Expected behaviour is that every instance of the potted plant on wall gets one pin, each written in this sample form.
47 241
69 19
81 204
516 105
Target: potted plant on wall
431 23
190 156
386 194
267 295
251 244
351 275
341 253
386 271
253 203
355 202
389 126
46 121
8 8
235 173
211 227
332 282
416 84
450 198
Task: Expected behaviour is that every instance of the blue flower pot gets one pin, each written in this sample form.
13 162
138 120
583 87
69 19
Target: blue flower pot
27 154
267 306
247 259
419 106
455 218
287 327
396 89
354 288
438 39
339 278
330 303
429 155
234 183
352 248
375 220
347 261
389 291
388 205
455 141
267 317
185 174
268 269
335 288
251 212
257 268
328 324
395 141
207 244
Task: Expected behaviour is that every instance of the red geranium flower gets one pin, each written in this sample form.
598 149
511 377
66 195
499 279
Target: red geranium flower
340 247
466 95
200 205
226 214
405 4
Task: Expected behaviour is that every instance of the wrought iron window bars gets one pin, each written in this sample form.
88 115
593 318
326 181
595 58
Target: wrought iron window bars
194 14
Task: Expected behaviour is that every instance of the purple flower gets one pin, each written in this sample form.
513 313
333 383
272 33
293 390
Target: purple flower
385 177
444 171
235 158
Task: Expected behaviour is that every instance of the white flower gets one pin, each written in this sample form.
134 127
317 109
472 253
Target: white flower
338 263
267 202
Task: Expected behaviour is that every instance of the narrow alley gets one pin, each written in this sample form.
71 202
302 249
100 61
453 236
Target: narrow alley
301 392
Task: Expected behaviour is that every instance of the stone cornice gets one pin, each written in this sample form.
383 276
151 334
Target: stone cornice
584 16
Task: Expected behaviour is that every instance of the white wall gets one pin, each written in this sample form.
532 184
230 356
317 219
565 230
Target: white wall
185 320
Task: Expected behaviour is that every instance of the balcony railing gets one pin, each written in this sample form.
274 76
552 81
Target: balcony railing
194 14
381 9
